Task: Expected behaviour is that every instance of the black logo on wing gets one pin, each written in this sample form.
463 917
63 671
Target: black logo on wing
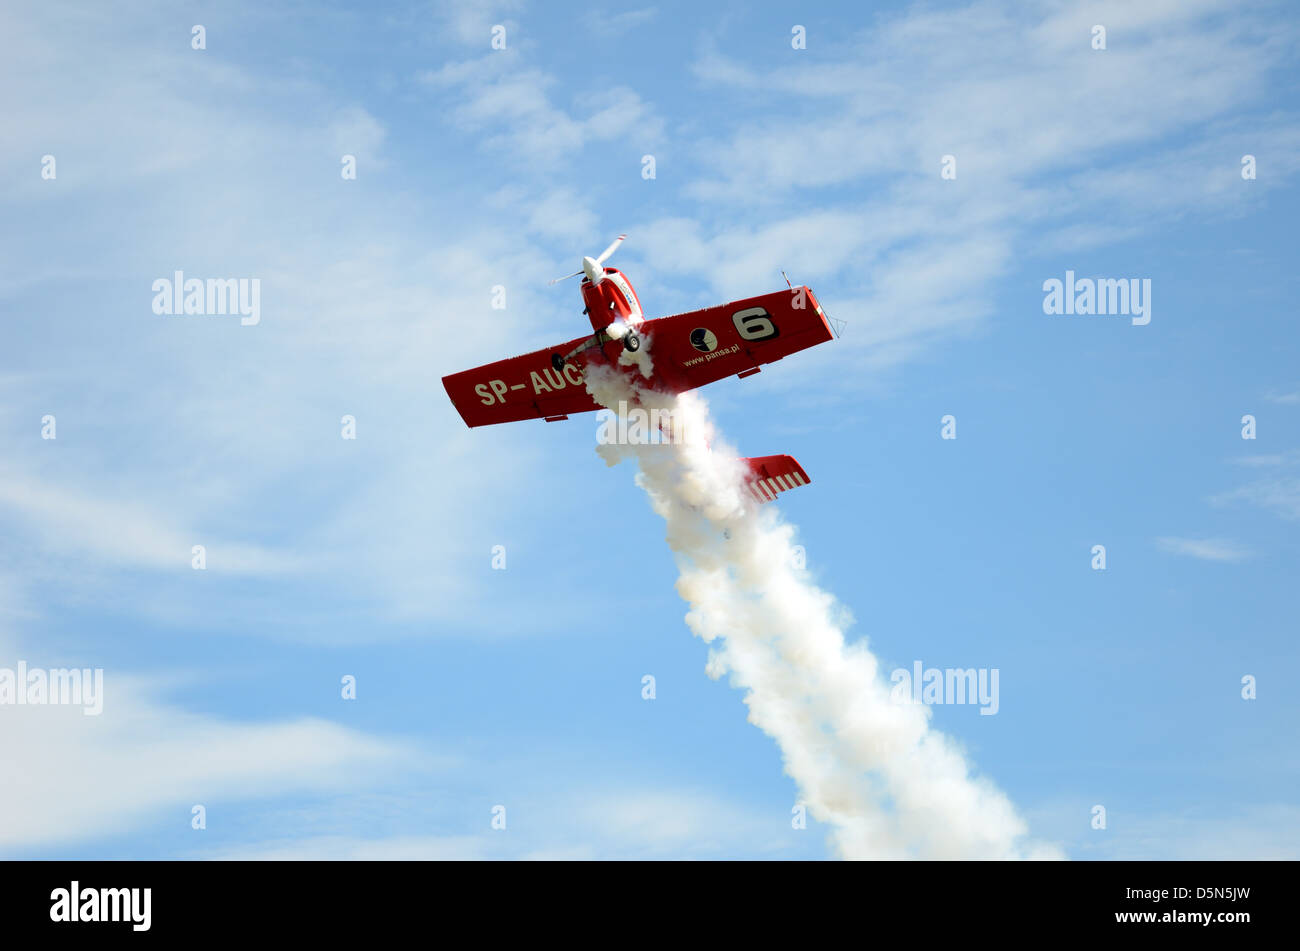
703 340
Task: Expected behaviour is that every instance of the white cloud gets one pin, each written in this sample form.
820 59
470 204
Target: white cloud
562 215
127 533
1078 147
1280 495
616 24
182 431
471 21
510 106
1279 491
333 848
983 86
71 777
1206 549
1262 461
625 823
1263 832
356 132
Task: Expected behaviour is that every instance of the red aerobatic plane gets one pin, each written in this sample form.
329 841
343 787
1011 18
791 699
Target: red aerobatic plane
689 350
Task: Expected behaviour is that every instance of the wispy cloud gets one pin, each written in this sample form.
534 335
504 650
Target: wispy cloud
1076 156
79 778
1249 831
1291 398
1280 495
220 422
471 21
1206 549
511 107
1278 492
1017 114
1263 832
610 823
616 24
1264 460
127 533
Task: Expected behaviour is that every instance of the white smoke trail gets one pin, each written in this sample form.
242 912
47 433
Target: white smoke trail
868 766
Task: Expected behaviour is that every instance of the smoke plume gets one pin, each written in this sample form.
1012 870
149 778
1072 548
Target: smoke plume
871 768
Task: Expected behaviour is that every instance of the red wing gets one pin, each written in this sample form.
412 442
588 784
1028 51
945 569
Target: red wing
687 350
701 346
524 387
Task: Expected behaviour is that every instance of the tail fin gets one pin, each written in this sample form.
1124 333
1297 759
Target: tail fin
771 475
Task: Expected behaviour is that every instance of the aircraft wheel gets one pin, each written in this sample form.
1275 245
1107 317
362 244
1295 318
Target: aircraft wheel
557 361
631 343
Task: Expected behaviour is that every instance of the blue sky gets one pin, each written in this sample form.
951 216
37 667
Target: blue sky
479 167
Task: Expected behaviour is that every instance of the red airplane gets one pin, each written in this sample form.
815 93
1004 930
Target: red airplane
689 350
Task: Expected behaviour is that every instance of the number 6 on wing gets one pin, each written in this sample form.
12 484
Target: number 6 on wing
754 323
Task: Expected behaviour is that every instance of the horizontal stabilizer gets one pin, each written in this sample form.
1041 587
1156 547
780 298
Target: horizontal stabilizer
772 475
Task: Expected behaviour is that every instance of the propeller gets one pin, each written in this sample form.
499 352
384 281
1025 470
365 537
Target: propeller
594 268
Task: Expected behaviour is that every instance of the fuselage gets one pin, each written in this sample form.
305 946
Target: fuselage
612 300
